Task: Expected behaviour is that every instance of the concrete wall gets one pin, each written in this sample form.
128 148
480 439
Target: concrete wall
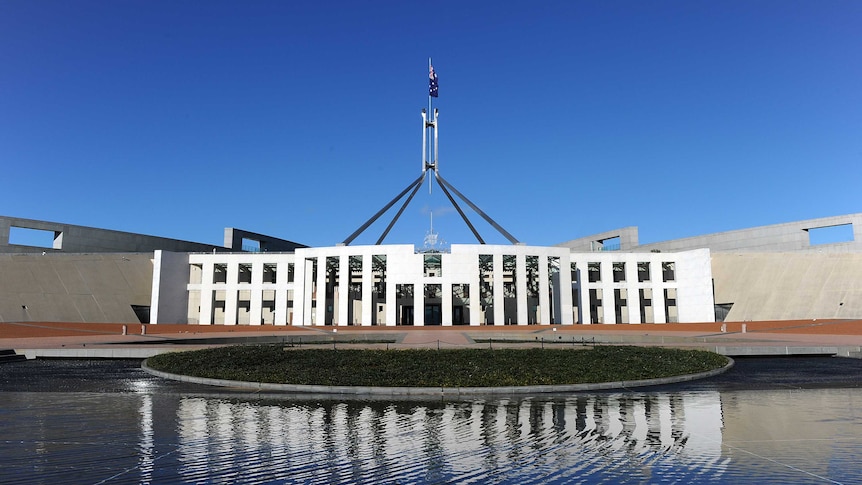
69 238
791 236
170 296
628 240
233 239
784 286
74 287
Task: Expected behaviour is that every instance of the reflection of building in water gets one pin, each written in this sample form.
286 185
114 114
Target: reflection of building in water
368 440
815 418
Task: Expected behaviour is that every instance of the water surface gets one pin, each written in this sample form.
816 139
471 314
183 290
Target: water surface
767 421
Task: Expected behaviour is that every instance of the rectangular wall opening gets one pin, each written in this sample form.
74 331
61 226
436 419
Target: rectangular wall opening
621 305
670 305
643 272
486 288
460 304
37 238
830 234
404 305
647 314
596 308
250 245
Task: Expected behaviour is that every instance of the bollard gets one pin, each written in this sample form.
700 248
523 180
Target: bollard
143 329
723 327
743 327
125 330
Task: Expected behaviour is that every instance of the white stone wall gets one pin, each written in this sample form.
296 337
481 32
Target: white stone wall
692 283
230 296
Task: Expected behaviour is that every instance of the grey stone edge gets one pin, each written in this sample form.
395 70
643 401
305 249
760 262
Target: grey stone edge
435 391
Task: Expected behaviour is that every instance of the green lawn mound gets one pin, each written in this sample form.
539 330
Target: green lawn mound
436 368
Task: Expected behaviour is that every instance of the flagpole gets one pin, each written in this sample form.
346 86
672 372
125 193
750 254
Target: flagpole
430 114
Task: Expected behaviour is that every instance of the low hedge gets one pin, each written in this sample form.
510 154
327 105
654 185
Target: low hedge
436 368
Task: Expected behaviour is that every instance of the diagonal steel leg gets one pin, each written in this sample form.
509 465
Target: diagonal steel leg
403 206
463 216
413 185
444 183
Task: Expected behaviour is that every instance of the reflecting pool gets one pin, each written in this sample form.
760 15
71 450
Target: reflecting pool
107 422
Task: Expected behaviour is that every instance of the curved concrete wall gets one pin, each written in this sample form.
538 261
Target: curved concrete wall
74 287
785 286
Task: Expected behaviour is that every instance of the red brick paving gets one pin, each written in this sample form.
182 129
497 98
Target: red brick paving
71 329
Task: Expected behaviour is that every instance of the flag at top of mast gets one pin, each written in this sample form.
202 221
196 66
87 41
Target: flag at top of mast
432 78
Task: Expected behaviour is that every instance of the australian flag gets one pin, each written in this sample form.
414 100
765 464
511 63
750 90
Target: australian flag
432 76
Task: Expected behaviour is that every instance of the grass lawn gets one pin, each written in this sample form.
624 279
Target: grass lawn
436 368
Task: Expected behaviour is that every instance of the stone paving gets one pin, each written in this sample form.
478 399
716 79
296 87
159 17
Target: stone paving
842 337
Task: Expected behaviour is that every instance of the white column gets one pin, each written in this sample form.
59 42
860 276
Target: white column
343 289
368 309
584 292
608 302
206 313
446 303
419 303
499 299
231 295
320 317
308 291
391 300
475 294
544 288
521 289
564 285
301 290
256 308
281 289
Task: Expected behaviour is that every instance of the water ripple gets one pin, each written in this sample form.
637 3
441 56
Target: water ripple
603 438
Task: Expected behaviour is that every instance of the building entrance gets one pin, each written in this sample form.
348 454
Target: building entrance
407 315
433 314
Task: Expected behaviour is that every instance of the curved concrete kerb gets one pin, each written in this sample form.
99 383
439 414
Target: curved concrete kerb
434 391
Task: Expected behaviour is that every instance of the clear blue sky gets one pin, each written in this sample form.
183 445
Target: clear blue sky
560 119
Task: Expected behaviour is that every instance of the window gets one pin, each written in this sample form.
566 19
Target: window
378 269
595 272
619 272
668 270
244 273
219 273
433 265
269 273
643 272
532 267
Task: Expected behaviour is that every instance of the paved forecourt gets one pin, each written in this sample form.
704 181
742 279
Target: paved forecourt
106 340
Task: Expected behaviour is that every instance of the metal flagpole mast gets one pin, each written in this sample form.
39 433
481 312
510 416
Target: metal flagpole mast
429 137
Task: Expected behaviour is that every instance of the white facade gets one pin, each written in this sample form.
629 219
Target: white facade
470 285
